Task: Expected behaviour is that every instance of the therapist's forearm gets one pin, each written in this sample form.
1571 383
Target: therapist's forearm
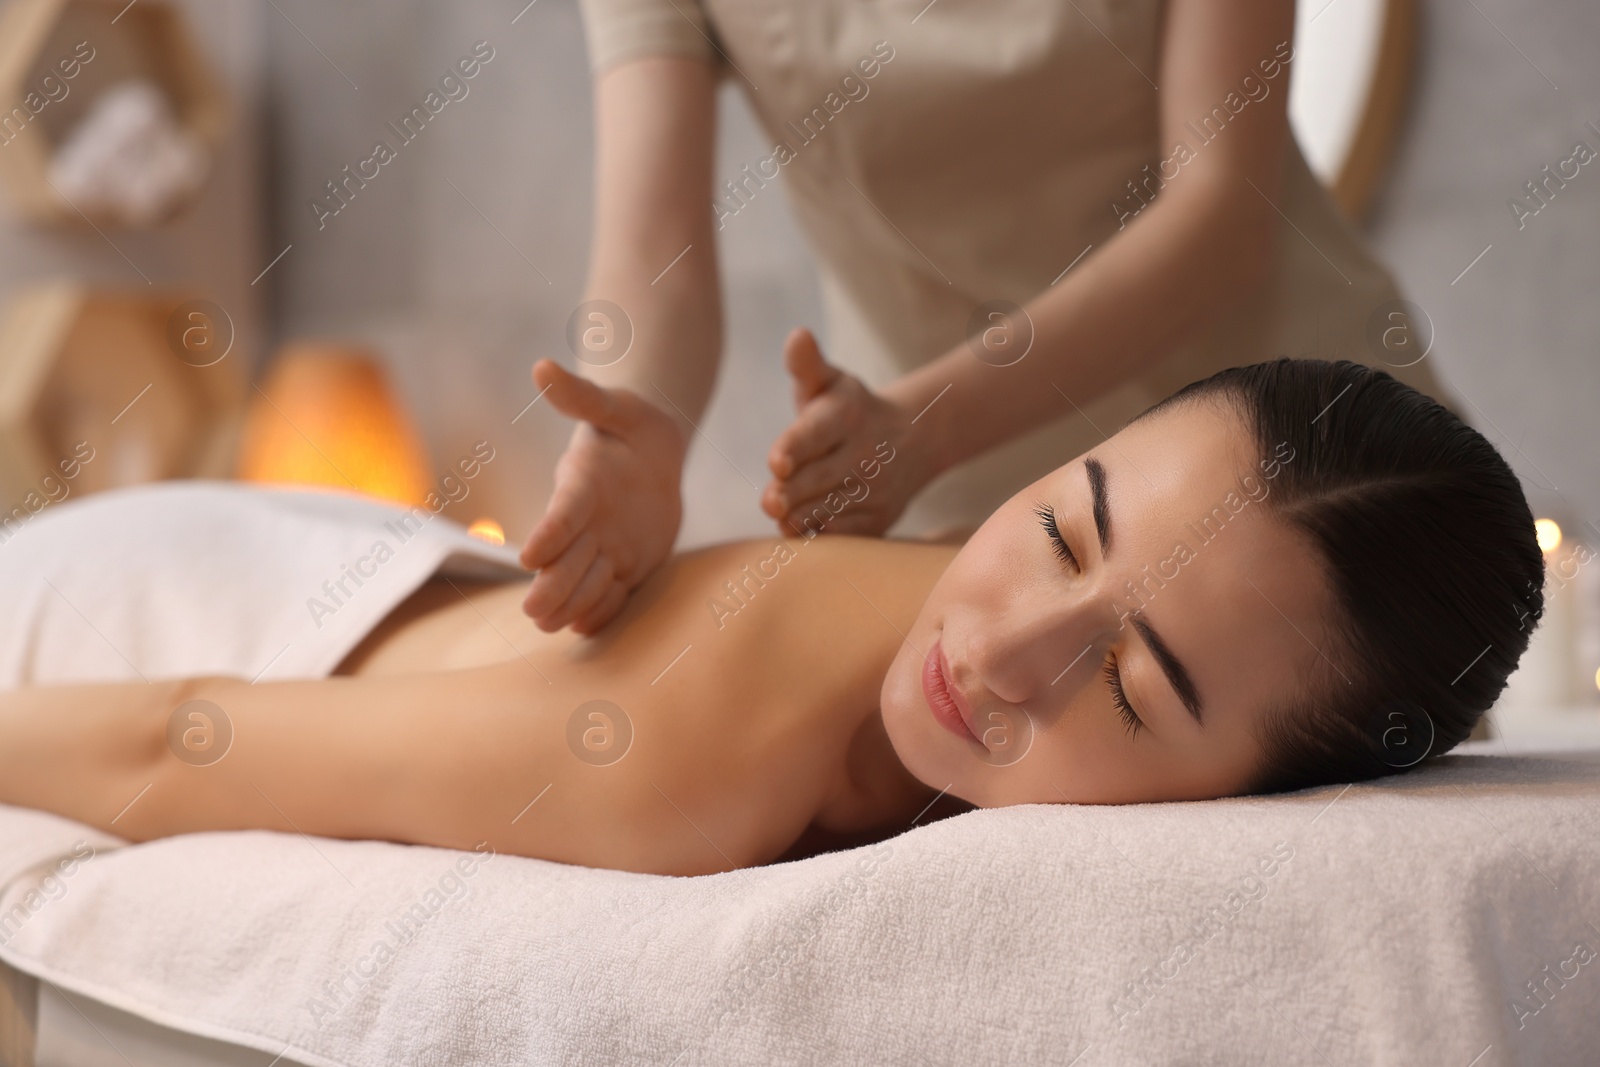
653 250
676 323
1185 260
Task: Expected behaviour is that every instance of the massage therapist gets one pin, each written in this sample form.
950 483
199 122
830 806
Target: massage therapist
1032 219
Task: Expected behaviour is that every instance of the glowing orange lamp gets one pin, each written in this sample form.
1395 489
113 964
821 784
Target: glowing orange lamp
326 416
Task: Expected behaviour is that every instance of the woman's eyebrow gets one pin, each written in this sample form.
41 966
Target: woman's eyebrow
1097 493
1170 666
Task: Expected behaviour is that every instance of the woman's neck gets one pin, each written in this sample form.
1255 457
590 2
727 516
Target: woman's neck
877 799
875 793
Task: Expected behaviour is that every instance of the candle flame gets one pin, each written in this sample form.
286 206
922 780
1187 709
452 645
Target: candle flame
488 530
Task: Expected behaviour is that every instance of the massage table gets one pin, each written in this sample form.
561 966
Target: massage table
1444 916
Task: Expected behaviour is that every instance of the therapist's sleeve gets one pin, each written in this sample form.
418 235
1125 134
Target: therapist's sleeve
619 30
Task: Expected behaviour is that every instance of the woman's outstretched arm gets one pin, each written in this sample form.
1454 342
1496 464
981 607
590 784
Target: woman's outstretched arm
451 759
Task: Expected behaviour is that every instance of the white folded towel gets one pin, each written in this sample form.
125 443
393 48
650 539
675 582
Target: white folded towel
202 577
129 158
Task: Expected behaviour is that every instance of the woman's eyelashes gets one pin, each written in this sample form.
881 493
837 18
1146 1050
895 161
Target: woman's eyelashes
1047 519
1113 677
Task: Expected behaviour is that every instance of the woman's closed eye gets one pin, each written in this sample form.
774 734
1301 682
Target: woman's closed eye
1119 698
1111 673
1047 519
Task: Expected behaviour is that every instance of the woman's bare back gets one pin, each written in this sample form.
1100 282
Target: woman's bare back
752 668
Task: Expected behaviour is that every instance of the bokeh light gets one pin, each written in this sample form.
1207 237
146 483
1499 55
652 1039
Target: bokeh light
488 530
1548 532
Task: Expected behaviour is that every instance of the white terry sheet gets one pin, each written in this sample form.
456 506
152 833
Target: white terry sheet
1394 923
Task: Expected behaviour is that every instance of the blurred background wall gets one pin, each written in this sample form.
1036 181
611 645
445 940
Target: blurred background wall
1503 90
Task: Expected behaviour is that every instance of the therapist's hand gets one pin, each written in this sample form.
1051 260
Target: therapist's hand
616 507
839 425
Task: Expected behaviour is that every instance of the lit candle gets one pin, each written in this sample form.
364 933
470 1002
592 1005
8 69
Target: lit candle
1542 684
488 530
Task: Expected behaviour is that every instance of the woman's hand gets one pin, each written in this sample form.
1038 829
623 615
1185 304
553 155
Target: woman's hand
614 514
840 424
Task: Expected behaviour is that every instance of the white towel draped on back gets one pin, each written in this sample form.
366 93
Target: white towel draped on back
188 578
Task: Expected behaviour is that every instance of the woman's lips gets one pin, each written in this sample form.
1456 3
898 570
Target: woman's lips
943 699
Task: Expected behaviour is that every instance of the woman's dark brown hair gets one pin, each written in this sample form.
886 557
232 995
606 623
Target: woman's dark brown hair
1429 545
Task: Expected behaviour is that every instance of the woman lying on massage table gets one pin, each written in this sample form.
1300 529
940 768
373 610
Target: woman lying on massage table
1285 575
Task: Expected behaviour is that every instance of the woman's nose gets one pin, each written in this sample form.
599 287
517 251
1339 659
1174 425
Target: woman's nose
1041 645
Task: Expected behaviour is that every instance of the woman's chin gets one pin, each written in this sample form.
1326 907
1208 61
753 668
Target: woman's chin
906 720
917 743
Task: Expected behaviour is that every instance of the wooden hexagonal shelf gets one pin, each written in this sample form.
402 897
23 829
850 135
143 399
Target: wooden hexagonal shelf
104 389
58 56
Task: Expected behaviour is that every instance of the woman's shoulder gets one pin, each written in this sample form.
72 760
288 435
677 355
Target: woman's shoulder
743 569
840 550
830 590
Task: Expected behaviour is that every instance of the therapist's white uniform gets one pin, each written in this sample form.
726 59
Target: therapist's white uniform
942 156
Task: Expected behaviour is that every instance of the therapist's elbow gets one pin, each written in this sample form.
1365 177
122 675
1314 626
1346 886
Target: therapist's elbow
1258 247
1241 239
